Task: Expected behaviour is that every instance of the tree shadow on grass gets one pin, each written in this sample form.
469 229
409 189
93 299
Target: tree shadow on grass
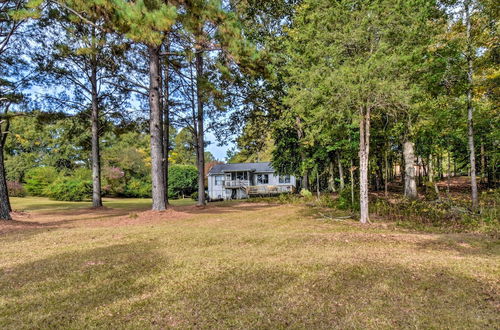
67 290
130 285
368 295
463 244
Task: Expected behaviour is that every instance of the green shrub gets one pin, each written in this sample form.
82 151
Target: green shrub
138 188
82 173
344 202
306 193
69 189
15 189
39 178
182 180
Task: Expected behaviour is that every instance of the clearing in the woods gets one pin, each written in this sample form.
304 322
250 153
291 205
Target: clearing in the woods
243 265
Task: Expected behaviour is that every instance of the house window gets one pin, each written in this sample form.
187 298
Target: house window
262 178
218 180
284 179
242 175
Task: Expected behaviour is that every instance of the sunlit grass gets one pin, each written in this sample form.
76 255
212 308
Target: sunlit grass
240 266
42 203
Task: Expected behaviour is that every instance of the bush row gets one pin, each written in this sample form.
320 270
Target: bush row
77 185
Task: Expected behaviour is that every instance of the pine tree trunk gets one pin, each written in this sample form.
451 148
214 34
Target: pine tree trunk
96 158
470 108
200 159
409 157
4 193
156 127
341 172
364 152
166 127
166 119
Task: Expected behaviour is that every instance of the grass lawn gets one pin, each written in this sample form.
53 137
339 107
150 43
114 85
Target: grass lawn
242 265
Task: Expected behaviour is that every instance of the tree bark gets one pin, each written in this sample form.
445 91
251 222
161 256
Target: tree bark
331 178
305 175
96 158
317 182
166 118
470 108
155 127
364 152
449 174
386 174
200 159
483 163
341 172
351 170
4 193
409 157
431 176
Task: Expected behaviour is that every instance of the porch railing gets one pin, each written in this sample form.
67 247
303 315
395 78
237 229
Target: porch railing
236 183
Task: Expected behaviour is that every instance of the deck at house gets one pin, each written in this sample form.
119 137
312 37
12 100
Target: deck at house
237 181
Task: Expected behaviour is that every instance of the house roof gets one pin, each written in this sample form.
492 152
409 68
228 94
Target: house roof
241 167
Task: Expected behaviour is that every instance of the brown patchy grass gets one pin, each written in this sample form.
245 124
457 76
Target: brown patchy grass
237 265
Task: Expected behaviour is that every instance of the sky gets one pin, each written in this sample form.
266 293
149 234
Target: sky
219 153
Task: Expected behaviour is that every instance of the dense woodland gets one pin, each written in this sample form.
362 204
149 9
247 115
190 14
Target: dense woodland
115 97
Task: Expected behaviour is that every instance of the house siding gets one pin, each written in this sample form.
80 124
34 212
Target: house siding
218 192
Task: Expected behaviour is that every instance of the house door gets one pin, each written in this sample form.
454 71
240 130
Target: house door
234 194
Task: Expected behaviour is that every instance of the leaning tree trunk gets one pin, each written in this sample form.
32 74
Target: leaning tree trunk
364 153
470 108
409 157
96 159
155 127
200 150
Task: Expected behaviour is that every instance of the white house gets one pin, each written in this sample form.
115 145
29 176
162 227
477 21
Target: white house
237 181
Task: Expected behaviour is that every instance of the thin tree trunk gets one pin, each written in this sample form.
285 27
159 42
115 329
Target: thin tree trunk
431 176
166 118
386 174
331 178
96 158
352 182
341 172
305 180
200 159
305 176
448 182
364 152
470 108
483 163
317 182
409 157
156 128
4 192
